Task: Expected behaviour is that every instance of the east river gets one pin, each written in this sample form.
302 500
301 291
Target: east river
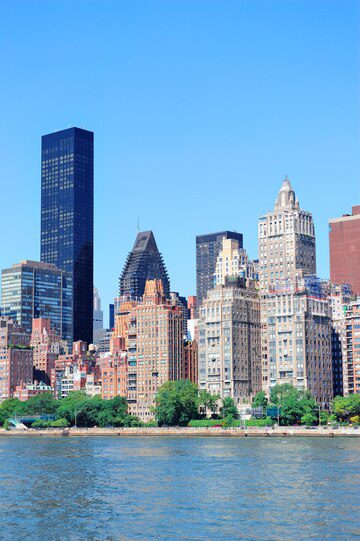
111 488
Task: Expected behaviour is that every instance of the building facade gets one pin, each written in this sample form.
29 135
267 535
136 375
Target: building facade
143 263
233 261
351 371
67 217
155 348
299 337
229 341
340 297
46 346
31 289
16 358
286 238
344 239
207 251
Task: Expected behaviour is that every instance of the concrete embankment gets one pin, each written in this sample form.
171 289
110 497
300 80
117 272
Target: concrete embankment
251 432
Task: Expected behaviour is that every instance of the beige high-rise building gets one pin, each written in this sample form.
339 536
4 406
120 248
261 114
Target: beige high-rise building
286 240
229 340
155 348
299 337
295 310
233 261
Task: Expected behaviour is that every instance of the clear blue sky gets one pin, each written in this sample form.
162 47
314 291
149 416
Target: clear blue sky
199 108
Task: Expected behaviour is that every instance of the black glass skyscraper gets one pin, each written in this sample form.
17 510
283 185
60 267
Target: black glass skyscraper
144 262
67 217
207 251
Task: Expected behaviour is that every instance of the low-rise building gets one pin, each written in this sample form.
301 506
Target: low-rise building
23 392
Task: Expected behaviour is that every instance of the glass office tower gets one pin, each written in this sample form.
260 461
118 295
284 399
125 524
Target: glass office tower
31 289
67 217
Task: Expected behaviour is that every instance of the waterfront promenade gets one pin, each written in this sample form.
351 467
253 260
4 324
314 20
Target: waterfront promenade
282 431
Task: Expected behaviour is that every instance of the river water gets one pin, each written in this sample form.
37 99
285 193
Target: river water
111 488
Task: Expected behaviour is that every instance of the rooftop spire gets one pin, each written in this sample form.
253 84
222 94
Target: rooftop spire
286 195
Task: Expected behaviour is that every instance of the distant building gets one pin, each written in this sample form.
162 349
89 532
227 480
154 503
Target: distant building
103 344
31 289
192 305
178 300
207 250
111 316
233 261
16 360
229 341
67 218
143 263
190 362
344 237
98 317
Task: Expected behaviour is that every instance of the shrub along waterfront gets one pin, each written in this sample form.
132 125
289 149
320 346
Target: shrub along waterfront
180 403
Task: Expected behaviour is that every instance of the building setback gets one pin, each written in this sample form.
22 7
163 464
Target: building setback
143 263
207 251
344 238
67 217
31 289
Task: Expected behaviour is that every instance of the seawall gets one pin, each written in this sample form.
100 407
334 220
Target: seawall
251 432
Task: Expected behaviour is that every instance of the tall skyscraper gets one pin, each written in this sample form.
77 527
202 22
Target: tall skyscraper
143 263
344 237
207 251
295 309
32 289
67 217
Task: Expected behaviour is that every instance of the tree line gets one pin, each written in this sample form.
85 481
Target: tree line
181 403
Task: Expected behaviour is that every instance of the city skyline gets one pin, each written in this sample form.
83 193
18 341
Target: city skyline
197 119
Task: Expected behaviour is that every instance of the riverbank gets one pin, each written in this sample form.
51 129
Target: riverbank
328 432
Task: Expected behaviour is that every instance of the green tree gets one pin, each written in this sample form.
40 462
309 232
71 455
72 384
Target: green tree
41 403
345 407
293 403
308 419
260 401
10 407
229 408
176 403
208 401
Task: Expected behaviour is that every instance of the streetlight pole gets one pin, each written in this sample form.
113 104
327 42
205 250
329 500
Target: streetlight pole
319 415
